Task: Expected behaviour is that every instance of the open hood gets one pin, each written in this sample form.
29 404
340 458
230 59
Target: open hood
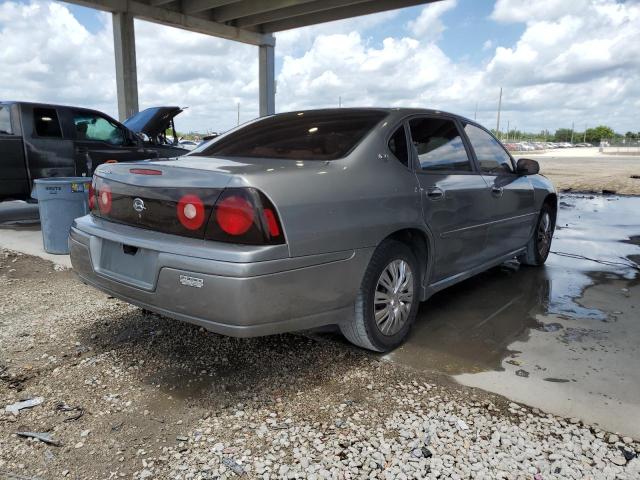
152 121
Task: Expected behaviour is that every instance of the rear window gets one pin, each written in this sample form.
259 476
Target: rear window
297 136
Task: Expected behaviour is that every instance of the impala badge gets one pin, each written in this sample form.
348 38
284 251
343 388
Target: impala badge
138 205
194 282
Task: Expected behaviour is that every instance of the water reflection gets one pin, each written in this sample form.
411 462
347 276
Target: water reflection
470 327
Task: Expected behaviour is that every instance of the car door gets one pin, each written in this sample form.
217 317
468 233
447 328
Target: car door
510 198
452 195
99 139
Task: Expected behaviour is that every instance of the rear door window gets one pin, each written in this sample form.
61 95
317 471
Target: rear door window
92 127
45 123
438 145
5 120
310 135
492 157
398 145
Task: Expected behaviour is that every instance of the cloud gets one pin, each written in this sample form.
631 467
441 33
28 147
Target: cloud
428 26
569 64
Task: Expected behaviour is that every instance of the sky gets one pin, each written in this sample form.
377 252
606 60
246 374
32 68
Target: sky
559 63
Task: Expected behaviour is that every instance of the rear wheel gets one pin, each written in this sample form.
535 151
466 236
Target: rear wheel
540 244
388 299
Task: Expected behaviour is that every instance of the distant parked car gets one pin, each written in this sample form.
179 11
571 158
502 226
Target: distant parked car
41 140
188 144
297 220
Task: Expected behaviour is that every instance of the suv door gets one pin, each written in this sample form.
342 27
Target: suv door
49 152
99 139
510 199
452 195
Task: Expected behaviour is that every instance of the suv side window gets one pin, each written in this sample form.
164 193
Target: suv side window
398 145
45 123
89 126
5 120
491 156
439 145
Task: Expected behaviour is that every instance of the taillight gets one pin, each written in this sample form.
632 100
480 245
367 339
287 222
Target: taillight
190 211
92 197
244 215
104 199
235 215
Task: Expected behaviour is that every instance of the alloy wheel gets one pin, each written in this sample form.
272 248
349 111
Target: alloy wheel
393 297
544 234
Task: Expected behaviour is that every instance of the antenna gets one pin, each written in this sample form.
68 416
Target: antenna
499 108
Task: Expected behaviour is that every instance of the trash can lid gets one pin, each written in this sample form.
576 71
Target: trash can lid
62 180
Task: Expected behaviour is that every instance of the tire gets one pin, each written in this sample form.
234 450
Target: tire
540 244
401 302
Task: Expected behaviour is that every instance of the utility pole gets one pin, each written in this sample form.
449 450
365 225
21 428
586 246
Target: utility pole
238 113
584 138
572 127
499 108
507 130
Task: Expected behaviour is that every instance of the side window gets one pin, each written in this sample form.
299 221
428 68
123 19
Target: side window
439 145
45 123
94 127
492 157
5 120
398 146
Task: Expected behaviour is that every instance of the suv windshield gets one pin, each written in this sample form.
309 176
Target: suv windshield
311 135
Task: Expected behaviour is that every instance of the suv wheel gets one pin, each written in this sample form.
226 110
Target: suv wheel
388 299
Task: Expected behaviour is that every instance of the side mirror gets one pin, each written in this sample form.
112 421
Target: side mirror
526 166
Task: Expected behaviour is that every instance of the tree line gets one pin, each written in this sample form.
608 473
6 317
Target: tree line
591 135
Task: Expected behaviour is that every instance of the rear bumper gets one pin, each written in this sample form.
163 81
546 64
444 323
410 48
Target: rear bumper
240 299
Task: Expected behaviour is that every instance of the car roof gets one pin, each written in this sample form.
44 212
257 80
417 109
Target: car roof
401 111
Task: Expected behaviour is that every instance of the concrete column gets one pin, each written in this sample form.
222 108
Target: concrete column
267 82
124 41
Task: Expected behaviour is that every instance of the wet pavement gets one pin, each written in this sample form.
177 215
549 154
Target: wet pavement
563 338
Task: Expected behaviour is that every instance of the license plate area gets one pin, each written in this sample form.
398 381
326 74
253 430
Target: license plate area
129 264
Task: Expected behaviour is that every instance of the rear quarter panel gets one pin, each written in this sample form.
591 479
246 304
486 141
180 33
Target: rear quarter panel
354 202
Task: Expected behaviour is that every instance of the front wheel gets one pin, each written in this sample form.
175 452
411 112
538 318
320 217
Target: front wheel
540 244
388 299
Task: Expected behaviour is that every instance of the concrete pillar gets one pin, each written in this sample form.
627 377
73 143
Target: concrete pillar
267 82
124 41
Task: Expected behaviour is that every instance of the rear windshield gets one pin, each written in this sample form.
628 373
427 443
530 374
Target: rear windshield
297 136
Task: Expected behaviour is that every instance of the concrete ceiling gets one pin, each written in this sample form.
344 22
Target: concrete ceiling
248 21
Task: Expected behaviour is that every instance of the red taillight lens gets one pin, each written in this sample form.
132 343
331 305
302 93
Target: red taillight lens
272 222
190 211
104 199
235 215
92 197
245 216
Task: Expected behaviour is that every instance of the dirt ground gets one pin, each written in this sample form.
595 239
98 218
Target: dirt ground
586 170
128 394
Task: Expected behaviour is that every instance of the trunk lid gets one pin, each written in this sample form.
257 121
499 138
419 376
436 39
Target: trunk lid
147 195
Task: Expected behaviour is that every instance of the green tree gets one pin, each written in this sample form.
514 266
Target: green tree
562 135
601 132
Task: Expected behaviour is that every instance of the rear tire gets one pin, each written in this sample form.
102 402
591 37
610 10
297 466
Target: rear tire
539 246
387 303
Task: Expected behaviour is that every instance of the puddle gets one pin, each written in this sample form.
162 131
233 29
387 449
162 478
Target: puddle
471 326
562 337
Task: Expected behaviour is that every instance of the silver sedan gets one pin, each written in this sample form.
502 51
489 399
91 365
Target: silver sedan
297 220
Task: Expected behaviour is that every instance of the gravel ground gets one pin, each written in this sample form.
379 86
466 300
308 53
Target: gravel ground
127 394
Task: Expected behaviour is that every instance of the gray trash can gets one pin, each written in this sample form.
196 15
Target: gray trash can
60 201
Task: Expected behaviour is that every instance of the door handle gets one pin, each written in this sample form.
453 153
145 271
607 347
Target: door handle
497 191
435 193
